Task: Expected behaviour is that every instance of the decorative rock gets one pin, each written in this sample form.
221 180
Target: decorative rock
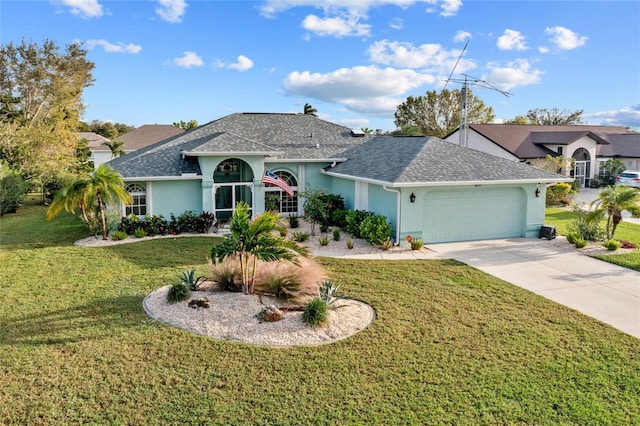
203 302
269 314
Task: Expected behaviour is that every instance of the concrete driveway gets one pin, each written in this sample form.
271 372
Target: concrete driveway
604 291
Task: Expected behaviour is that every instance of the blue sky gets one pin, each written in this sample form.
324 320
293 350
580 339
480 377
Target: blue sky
161 61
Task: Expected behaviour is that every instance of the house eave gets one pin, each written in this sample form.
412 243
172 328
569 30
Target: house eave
231 153
162 178
306 160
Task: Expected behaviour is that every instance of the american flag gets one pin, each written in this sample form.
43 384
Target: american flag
273 179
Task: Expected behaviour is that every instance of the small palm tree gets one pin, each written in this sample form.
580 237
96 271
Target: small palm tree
115 147
255 240
614 200
91 196
310 110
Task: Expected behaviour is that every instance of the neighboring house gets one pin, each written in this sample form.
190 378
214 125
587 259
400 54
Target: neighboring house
100 153
146 135
426 187
588 146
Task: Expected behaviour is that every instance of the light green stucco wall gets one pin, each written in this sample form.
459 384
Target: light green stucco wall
175 197
346 188
384 203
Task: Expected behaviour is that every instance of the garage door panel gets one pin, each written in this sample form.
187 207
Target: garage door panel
465 214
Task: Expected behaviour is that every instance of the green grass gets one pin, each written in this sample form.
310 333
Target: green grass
450 345
626 231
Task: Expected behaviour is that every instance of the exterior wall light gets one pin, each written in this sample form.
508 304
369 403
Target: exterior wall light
537 192
412 197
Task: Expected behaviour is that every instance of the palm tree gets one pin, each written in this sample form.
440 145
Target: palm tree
255 240
91 196
114 146
614 200
310 110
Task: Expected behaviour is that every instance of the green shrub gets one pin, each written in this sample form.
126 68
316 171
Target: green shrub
612 245
587 224
324 240
300 236
155 225
324 227
580 243
294 221
354 219
315 312
207 219
191 281
417 244
339 218
140 233
118 235
129 224
12 190
336 235
350 243
375 229
559 194
178 292
572 237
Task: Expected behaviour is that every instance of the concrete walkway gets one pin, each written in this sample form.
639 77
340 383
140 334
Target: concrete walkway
604 291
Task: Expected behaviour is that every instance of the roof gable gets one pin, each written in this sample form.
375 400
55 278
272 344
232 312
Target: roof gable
527 141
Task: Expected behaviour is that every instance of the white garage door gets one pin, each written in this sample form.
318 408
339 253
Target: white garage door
473 214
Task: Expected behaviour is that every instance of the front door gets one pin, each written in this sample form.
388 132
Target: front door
580 172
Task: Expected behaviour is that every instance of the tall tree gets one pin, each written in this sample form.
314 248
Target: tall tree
438 114
613 200
253 240
554 117
518 119
310 110
41 95
92 196
186 125
106 129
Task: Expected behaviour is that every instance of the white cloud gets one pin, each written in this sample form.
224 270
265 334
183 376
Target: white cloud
450 7
514 74
171 10
188 60
84 8
626 116
345 17
511 40
462 36
565 39
337 26
396 24
113 47
363 89
427 57
242 64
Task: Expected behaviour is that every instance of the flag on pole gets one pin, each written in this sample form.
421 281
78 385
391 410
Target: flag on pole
273 179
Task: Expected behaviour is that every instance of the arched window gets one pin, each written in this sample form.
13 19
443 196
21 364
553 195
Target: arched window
138 204
275 197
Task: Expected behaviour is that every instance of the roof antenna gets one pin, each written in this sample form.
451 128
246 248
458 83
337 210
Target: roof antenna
464 96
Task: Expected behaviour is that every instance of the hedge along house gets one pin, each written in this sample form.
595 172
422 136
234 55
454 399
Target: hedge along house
426 187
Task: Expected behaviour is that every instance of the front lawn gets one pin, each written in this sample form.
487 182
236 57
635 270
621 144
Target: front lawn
450 345
560 218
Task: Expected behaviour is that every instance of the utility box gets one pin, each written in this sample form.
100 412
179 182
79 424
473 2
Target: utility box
548 232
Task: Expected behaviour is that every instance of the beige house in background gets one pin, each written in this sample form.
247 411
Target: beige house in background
136 139
588 147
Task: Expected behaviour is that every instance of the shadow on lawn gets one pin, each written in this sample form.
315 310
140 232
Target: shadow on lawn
76 323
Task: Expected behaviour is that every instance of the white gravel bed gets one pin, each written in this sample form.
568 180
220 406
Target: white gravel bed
232 316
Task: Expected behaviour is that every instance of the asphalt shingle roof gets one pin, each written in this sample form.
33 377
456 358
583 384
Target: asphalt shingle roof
525 141
148 134
411 160
394 160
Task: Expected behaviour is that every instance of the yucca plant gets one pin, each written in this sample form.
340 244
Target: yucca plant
350 243
300 236
328 291
190 280
417 244
324 240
